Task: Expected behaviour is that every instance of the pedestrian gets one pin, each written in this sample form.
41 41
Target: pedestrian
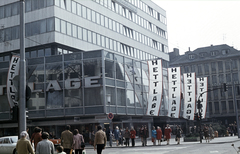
133 136
23 145
100 140
36 136
59 150
67 139
127 136
77 142
167 133
205 131
145 135
45 146
159 135
178 134
116 135
121 134
141 134
154 135
109 136
211 132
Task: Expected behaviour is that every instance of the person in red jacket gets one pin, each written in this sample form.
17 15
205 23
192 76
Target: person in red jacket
132 136
167 133
159 135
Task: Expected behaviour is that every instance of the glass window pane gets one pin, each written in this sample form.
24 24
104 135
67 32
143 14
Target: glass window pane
121 97
79 32
84 34
8 10
93 16
79 10
33 54
74 30
63 26
98 39
1 12
34 5
84 12
103 41
40 53
15 32
57 24
74 7
89 15
106 22
48 52
92 67
102 20
50 24
15 9
69 29
43 26
49 2
89 36
94 38
109 68
98 18
8 34
35 28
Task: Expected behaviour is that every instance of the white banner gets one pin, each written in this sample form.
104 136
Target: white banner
174 78
13 73
189 95
155 87
202 87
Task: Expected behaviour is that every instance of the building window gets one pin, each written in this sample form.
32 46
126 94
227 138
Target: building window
191 56
225 51
216 106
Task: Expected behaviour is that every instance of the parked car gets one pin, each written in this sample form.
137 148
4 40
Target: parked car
8 144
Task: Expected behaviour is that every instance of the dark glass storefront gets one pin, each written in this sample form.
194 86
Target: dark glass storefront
70 85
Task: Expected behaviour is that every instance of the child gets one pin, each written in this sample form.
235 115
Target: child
60 150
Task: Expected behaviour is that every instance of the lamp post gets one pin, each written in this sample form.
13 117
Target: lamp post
110 128
22 89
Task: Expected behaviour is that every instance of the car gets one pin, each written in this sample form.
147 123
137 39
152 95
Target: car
8 144
56 142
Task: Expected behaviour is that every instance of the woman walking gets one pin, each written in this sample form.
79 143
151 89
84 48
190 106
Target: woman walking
77 141
178 134
159 135
133 135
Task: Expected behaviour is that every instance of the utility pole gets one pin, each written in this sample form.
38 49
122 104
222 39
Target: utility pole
22 87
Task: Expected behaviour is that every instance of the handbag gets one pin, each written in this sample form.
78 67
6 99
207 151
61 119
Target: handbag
82 143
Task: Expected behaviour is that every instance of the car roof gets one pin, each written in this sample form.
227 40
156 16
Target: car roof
8 137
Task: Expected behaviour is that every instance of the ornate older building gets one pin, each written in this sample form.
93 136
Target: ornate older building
221 64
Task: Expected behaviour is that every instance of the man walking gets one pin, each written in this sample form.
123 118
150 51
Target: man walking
45 146
23 145
67 139
100 140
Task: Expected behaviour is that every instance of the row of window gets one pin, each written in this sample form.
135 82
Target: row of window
144 7
212 53
115 26
34 28
215 67
134 17
30 5
98 39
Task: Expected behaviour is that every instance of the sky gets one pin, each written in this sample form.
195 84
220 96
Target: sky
195 24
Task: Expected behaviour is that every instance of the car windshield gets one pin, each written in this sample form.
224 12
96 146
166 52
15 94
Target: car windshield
14 139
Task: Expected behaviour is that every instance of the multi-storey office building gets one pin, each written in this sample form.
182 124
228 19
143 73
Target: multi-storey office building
220 64
84 60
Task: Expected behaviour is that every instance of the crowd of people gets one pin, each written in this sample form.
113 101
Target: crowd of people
41 145
74 141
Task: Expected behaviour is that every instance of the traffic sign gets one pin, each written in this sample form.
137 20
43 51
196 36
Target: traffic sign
110 116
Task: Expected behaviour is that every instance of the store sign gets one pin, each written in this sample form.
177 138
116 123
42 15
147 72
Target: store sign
174 78
189 95
202 87
13 73
155 87
53 85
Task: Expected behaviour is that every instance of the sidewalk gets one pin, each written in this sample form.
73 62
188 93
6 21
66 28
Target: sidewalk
138 143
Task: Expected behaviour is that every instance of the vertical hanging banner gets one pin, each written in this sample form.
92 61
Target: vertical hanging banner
155 87
12 80
189 95
174 78
202 87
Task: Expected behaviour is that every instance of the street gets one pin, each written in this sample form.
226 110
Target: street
216 146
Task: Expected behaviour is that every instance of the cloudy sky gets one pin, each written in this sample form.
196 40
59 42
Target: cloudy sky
197 24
